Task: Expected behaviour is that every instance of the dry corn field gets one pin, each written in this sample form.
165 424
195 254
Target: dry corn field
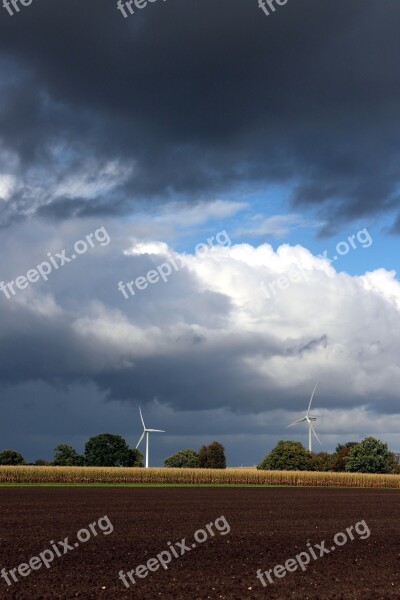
114 475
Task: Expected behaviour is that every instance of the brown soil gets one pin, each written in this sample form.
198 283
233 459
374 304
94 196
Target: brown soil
268 527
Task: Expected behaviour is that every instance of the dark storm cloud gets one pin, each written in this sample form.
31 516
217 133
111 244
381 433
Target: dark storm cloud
195 374
202 95
36 346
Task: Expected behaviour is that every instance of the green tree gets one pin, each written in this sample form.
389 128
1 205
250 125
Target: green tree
135 459
216 456
107 450
287 456
202 458
66 456
320 461
40 462
212 456
184 459
347 446
11 457
338 462
370 456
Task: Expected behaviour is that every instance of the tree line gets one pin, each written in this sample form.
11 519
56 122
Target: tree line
368 456
109 450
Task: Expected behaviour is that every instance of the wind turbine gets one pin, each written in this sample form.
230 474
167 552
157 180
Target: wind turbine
309 418
146 433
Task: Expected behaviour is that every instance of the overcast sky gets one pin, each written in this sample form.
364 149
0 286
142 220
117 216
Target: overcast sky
272 140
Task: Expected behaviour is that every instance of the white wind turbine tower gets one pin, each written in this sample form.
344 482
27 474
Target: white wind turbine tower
146 433
309 418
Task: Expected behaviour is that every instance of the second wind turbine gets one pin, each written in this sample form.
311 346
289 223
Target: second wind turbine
309 419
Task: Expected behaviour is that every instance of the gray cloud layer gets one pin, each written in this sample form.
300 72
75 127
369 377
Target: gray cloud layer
208 339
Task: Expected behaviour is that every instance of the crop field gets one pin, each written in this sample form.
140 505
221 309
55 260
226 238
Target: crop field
266 527
164 476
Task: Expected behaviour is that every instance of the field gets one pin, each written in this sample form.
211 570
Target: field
250 476
268 526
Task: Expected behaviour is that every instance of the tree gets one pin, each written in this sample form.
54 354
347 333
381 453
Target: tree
346 446
11 457
338 462
212 456
202 458
66 456
216 456
40 462
107 450
135 459
370 456
320 461
287 456
184 459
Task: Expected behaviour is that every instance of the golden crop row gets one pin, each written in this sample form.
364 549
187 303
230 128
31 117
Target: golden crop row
110 475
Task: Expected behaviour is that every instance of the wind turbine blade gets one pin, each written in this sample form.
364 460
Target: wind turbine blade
311 399
314 432
141 437
156 430
141 416
299 421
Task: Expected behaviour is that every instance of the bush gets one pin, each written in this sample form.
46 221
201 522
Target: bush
212 456
370 456
287 456
11 457
184 459
40 462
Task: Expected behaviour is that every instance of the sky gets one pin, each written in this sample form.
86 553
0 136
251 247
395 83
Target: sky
241 172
